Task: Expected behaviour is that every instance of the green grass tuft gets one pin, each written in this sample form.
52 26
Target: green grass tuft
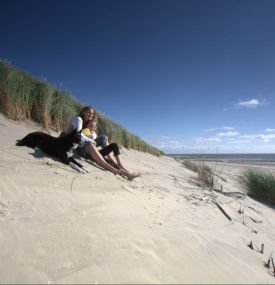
207 176
205 173
190 165
258 184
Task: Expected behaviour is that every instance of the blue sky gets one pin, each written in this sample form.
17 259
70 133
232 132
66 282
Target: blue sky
186 76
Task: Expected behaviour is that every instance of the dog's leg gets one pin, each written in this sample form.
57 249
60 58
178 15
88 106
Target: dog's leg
65 159
79 165
75 162
79 169
87 170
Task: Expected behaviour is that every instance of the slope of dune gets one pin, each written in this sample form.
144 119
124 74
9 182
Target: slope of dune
59 226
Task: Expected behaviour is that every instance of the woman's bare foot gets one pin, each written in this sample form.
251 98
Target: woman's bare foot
120 166
128 174
133 175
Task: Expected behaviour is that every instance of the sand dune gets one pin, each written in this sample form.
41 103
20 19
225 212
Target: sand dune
59 226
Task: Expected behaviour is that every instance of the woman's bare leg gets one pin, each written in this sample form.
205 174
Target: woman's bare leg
118 160
100 160
96 155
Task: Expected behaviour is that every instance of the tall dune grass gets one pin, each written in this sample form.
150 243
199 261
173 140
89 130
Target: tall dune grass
23 97
207 176
258 184
205 173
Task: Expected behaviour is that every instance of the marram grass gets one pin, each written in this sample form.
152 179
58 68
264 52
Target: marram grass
206 174
23 97
258 184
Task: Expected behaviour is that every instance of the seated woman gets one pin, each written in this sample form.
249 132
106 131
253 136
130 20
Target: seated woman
88 145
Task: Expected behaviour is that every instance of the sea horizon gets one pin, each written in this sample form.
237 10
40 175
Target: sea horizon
259 157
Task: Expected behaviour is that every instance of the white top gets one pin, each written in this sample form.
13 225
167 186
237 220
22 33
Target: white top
77 123
93 135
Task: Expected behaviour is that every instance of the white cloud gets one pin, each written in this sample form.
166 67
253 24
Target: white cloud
229 128
226 128
238 141
265 138
166 144
252 104
269 130
248 136
207 140
228 134
260 137
211 130
228 141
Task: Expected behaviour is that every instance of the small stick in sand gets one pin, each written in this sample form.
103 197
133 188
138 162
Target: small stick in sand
267 264
251 245
223 211
262 249
241 210
255 221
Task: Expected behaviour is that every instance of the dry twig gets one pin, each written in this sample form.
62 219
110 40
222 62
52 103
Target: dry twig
262 249
222 210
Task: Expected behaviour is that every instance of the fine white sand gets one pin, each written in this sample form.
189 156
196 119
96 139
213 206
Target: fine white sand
59 226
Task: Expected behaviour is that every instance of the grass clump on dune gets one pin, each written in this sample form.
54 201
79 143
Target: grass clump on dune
190 165
205 173
258 184
23 97
207 176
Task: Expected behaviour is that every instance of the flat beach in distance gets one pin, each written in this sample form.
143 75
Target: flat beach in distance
233 164
60 226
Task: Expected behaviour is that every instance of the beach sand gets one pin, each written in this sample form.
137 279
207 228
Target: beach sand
59 226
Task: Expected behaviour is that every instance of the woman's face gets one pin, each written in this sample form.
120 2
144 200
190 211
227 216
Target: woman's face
89 114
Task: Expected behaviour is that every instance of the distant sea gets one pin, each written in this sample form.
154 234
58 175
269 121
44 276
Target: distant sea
232 157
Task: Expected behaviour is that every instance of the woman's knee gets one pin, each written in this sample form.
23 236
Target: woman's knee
102 140
115 148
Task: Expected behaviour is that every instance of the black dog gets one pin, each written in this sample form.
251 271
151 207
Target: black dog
57 147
